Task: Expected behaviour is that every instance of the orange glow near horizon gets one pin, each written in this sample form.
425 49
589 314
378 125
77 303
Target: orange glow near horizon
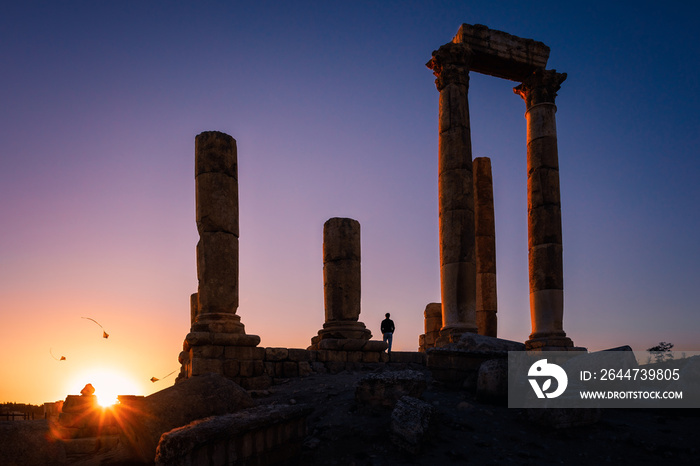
108 383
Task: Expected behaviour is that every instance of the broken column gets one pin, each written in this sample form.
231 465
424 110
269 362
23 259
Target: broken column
450 65
544 212
486 297
341 290
433 324
216 331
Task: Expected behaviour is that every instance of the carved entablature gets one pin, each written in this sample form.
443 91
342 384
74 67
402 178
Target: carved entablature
450 65
540 87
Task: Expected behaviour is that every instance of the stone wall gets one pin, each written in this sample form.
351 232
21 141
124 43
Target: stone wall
274 364
262 435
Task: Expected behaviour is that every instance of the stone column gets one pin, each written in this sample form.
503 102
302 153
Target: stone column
341 280
544 212
216 189
486 297
450 64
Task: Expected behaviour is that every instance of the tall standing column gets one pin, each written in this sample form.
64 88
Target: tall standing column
216 190
342 281
544 212
450 64
486 296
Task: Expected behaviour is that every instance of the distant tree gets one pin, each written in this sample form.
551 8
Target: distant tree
661 352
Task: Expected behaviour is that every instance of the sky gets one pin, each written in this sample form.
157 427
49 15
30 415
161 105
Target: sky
335 115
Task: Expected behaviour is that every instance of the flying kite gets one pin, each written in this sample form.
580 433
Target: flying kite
156 379
63 358
104 334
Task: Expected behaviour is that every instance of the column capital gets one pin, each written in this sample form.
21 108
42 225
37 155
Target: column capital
450 65
540 87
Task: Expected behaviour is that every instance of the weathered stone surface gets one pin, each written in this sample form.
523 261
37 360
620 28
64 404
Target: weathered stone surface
450 65
432 325
492 381
215 152
217 203
276 354
500 54
29 443
194 398
539 90
351 344
217 271
341 240
410 423
484 344
233 438
486 293
340 330
341 290
385 388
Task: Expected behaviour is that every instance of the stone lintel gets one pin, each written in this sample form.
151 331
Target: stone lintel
500 54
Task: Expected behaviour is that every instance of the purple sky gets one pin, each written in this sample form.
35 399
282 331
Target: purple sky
335 115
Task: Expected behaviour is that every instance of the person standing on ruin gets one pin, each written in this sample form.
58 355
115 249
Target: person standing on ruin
387 328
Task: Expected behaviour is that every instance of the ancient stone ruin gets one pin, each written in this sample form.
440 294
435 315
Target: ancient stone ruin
459 346
467 251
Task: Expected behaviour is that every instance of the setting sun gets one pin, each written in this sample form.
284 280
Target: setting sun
108 384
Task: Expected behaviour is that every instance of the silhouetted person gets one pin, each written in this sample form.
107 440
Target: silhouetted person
388 331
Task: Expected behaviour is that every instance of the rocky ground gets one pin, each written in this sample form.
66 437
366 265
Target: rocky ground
464 431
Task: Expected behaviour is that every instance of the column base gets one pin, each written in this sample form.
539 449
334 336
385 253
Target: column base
342 330
452 335
552 343
218 322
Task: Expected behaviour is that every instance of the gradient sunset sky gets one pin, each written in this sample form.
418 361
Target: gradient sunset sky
335 115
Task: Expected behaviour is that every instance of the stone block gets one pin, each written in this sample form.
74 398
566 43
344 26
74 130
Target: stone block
298 355
545 225
410 423
370 356
194 398
492 381
319 367
543 188
216 203
251 368
455 191
354 356
543 152
245 353
252 437
276 354
375 346
290 369
232 368
385 388
79 403
546 267
216 152
305 368
234 339
201 366
341 240
342 290
207 352
217 273
335 367
500 54
270 368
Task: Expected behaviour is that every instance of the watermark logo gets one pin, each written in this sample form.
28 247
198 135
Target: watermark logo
542 369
